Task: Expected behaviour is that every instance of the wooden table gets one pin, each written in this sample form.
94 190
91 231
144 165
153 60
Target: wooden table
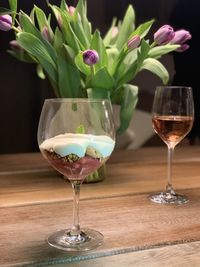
35 201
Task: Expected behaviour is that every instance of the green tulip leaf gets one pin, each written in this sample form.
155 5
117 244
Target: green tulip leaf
99 93
4 11
41 17
34 46
58 40
132 66
108 37
127 74
22 56
43 21
56 11
156 68
82 11
129 98
84 68
112 53
63 5
13 7
98 45
77 28
102 79
50 71
69 53
32 16
69 35
158 51
126 28
82 7
29 27
69 81
142 53
143 29
96 111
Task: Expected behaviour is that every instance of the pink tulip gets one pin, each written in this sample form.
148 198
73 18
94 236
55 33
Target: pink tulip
115 32
71 10
46 34
15 46
134 42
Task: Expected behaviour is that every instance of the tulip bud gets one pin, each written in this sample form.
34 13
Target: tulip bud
5 23
164 35
46 34
181 37
90 57
134 42
71 10
183 48
115 32
60 21
15 46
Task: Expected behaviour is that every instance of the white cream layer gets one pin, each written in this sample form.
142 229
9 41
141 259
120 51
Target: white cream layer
65 144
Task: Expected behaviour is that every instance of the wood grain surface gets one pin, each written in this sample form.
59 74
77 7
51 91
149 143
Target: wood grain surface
35 201
183 255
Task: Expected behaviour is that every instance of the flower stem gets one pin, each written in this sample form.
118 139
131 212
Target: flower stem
92 71
15 29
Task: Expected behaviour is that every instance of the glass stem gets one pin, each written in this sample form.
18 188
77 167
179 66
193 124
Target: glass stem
169 187
75 231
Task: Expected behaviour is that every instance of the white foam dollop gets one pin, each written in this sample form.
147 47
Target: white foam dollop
65 144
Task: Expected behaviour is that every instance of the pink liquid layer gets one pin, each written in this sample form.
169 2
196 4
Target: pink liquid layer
77 170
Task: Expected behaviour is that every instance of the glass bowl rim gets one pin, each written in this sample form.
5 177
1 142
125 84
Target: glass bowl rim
60 99
174 86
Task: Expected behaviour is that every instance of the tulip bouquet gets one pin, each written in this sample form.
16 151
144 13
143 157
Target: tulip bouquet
80 62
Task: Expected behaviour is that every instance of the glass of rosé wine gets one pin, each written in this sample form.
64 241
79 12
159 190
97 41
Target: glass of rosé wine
76 136
172 119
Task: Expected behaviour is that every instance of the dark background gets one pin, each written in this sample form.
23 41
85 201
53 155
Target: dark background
22 93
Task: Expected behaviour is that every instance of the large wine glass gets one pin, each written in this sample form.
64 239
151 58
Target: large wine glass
172 118
76 136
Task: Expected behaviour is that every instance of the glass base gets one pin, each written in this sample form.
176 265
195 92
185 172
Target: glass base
88 239
167 198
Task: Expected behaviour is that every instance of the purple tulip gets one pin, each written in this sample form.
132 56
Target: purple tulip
134 42
164 35
183 48
5 23
181 37
90 57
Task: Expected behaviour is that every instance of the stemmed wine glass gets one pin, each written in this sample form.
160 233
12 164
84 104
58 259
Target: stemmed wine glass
172 118
76 136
